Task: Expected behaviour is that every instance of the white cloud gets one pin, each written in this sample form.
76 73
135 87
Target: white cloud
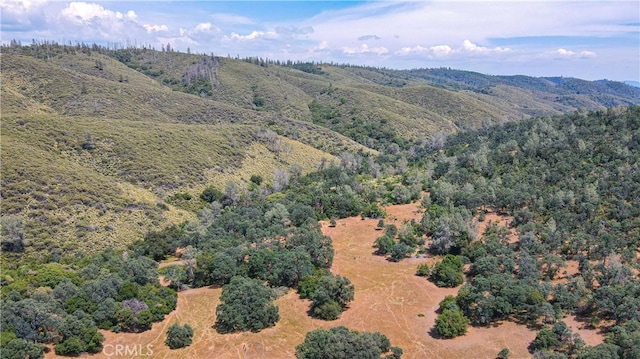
470 47
441 50
83 13
364 49
563 52
323 45
205 28
155 28
23 15
252 36
588 54
369 37
569 54
467 48
412 50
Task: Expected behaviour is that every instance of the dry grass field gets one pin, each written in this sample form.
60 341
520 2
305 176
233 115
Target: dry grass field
389 298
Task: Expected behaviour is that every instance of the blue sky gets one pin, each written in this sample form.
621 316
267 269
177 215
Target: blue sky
585 39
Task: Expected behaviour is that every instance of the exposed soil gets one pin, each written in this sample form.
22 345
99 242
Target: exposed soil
590 336
389 298
501 221
571 270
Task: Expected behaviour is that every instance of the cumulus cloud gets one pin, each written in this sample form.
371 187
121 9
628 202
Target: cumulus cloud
587 54
21 13
155 28
364 49
84 13
252 36
324 44
467 48
205 28
470 47
568 54
369 37
441 50
412 50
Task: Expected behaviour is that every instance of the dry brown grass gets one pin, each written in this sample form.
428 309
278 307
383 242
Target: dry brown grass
388 298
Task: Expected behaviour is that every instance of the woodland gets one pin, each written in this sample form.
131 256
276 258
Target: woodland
569 178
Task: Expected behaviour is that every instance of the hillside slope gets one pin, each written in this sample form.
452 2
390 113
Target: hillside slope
97 143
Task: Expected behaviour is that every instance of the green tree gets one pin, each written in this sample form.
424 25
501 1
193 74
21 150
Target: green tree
340 342
448 272
179 336
546 339
423 270
602 351
70 347
257 179
504 354
246 304
399 251
384 244
451 323
211 194
21 349
330 295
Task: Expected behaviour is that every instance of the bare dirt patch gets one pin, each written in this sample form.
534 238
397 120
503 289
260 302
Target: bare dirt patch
571 270
501 221
389 298
591 337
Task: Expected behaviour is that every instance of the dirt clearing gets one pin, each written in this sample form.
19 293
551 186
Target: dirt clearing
389 298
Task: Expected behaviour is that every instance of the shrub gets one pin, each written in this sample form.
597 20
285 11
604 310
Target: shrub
211 194
451 323
448 272
257 179
340 342
70 347
179 336
423 270
504 354
399 251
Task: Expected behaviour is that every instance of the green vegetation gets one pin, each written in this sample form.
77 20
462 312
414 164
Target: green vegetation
330 294
448 272
450 322
340 342
179 336
66 303
246 305
191 121
233 162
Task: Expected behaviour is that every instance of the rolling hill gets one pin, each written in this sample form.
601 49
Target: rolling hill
101 145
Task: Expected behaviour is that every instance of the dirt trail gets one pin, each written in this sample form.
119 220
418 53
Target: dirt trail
389 298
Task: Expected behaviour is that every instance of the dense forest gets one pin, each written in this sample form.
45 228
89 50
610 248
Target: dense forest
571 183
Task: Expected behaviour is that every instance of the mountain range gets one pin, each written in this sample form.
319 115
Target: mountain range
101 145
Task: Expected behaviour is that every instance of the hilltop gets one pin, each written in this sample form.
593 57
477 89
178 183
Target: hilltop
99 146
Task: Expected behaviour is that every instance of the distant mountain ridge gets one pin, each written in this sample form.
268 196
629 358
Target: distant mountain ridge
93 137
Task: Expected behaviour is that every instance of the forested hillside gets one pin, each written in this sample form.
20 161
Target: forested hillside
138 131
116 159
